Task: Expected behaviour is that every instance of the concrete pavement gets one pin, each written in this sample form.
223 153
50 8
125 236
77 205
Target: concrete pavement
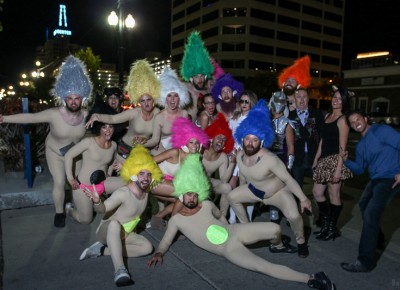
36 255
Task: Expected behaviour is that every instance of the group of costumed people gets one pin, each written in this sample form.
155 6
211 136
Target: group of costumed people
190 145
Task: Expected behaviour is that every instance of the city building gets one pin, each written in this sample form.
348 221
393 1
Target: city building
375 79
248 36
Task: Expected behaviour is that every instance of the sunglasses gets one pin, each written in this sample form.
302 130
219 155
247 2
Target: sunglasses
244 102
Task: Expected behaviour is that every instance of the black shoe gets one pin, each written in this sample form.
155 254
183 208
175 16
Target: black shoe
320 281
59 220
286 248
331 233
302 250
355 267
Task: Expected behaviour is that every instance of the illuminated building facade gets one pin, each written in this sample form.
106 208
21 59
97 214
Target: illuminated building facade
248 36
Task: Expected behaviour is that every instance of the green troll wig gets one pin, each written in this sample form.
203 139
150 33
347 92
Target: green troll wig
192 178
196 59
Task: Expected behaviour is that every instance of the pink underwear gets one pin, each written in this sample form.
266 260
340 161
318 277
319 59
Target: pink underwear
99 187
168 177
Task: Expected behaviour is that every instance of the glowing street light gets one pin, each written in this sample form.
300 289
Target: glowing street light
129 22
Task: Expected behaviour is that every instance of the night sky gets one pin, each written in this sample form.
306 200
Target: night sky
369 26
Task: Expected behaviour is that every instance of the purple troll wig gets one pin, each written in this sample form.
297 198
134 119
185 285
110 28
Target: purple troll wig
226 80
183 130
257 123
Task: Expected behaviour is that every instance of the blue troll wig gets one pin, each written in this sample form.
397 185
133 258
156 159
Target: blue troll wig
257 123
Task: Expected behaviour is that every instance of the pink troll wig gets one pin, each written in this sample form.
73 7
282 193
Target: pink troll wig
218 71
183 130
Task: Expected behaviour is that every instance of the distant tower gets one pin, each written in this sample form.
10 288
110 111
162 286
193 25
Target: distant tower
62 23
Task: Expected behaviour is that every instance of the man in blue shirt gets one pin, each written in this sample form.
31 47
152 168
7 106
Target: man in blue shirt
379 151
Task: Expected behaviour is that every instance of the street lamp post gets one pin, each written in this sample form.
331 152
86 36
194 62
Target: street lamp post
129 22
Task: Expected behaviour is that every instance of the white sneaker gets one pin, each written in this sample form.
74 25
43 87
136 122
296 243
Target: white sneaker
93 251
122 277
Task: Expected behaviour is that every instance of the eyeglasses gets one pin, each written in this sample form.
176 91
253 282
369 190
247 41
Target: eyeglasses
244 102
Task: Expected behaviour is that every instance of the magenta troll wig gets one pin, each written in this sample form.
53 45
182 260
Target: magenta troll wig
183 130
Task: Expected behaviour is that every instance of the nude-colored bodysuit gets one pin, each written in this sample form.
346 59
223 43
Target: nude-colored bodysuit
61 134
122 207
234 248
269 175
93 158
162 133
221 185
137 126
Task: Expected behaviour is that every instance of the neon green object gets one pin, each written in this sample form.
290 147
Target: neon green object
216 234
130 226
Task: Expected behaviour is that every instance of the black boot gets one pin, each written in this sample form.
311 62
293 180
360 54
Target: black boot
333 232
323 208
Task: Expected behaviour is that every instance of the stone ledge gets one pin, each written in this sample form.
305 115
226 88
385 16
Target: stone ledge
25 199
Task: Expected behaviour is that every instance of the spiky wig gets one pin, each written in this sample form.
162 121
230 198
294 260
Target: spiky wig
140 159
170 83
183 130
300 71
196 59
218 71
220 127
226 80
258 123
142 80
72 79
192 178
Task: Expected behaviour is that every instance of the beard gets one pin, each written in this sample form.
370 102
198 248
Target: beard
198 87
190 205
143 186
250 150
289 91
73 110
228 107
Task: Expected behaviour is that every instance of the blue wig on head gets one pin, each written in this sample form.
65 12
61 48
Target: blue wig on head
257 123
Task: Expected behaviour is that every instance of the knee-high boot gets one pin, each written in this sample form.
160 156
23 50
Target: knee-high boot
324 212
333 232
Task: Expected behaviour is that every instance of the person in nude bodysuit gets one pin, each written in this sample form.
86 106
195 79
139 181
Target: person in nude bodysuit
173 97
186 139
144 88
122 211
264 177
98 153
73 87
247 100
215 159
196 70
200 221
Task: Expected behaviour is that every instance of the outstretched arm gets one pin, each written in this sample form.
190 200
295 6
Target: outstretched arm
28 118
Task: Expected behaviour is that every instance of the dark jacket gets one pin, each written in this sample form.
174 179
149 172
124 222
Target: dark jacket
308 133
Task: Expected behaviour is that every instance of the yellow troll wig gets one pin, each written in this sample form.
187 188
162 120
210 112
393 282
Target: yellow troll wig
140 159
142 80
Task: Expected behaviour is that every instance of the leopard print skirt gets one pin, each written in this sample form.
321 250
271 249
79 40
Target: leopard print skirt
326 168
